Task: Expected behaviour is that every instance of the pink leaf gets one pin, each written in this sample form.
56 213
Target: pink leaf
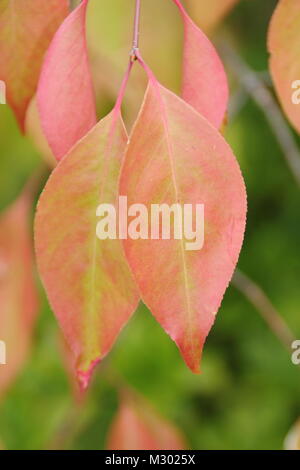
205 84
18 296
176 156
88 282
26 29
65 93
138 427
284 41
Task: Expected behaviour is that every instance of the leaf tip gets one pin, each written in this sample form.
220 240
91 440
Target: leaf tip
192 357
84 375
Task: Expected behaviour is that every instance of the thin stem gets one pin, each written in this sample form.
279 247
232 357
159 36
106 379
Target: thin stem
259 299
119 101
136 29
256 88
133 56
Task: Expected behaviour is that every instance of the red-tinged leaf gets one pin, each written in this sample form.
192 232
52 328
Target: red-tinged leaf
205 84
209 14
284 43
66 98
138 427
26 30
176 156
18 296
87 280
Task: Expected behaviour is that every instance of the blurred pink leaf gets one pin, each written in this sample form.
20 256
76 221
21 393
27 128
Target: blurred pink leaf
205 84
175 156
66 98
284 44
26 29
88 282
18 296
138 427
292 441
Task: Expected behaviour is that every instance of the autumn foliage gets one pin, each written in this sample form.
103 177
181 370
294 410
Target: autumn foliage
175 152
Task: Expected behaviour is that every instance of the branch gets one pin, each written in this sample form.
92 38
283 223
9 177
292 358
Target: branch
257 89
259 299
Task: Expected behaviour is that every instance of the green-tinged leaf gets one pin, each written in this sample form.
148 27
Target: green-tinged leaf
87 280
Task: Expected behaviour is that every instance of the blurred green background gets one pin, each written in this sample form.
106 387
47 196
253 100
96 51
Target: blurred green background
248 395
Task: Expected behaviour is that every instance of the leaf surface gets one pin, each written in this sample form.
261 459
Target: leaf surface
88 282
18 295
284 45
66 98
176 156
204 84
26 30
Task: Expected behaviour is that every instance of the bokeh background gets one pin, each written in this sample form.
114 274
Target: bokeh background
248 395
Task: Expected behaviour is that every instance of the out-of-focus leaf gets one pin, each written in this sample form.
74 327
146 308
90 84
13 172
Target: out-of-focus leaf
87 280
138 427
18 158
18 296
292 441
208 14
26 29
176 157
284 45
66 98
205 84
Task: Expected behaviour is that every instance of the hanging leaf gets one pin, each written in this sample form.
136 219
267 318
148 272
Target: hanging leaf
65 93
176 156
26 29
18 296
204 84
87 280
209 14
138 427
284 41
